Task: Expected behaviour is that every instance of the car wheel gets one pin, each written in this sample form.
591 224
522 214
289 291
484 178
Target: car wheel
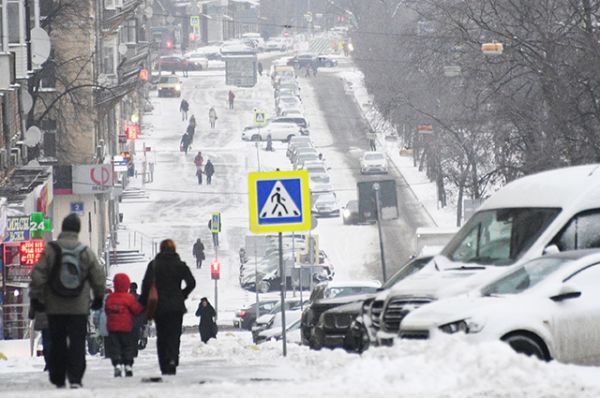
316 340
528 344
255 137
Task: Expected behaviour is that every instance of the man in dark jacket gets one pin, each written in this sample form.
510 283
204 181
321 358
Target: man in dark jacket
209 170
166 272
198 252
67 315
184 106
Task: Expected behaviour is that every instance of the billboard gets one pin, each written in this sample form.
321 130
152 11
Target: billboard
92 179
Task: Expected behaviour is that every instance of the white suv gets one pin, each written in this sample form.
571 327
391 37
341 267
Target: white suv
278 132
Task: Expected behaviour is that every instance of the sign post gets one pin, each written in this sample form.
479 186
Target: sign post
279 202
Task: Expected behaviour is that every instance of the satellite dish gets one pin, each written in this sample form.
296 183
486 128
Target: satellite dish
26 101
40 46
122 48
33 136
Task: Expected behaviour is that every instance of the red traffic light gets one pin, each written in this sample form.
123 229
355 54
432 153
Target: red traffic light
132 131
169 44
215 270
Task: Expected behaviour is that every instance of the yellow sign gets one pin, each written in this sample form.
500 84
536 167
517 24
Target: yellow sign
279 201
260 117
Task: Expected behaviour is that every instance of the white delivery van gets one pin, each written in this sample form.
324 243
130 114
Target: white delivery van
542 213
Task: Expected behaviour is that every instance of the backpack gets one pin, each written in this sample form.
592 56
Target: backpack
66 279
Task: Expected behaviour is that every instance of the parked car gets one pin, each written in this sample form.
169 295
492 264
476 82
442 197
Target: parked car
298 141
531 216
278 132
276 44
548 307
273 331
350 212
302 150
302 60
246 316
373 162
302 158
265 321
323 61
172 63
328 295
196 61
319 183
325 205
169 86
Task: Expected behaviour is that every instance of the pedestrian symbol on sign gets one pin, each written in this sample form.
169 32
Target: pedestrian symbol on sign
280 204
260 117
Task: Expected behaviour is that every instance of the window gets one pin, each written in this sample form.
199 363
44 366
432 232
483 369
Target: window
48 74
499 236
108 58
128 31
15 21
582 232
109 4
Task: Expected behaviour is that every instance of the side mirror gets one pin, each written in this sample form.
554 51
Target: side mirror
551 249
566 292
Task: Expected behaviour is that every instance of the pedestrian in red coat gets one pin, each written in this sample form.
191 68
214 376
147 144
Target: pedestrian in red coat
121 306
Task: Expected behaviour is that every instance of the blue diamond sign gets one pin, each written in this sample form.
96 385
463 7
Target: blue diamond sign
279 201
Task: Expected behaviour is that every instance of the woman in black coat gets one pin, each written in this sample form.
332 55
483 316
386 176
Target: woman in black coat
207 326
167 271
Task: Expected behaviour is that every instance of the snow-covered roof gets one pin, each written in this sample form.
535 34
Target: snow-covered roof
577 186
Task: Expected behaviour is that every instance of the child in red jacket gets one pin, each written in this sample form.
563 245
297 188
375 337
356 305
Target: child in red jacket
120 308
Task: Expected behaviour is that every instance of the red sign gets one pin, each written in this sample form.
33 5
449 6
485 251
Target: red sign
30 251
215 270
143 74
132 131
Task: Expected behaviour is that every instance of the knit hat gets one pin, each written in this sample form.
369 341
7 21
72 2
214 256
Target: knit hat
71 223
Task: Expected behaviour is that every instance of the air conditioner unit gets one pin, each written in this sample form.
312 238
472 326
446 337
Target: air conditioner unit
20 145
109 4
7 70
15 156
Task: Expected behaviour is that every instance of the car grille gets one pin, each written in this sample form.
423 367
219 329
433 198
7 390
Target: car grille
397 309
376 309
337 321
415 334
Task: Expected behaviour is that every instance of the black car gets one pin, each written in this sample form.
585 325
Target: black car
246 316
350 212
325 62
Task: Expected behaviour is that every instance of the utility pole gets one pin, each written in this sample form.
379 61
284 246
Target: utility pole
377 188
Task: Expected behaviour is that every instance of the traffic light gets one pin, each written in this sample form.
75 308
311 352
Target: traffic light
132 131
169 44
215 269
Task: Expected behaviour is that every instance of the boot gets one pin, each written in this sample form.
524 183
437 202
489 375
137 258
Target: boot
128 371
118 372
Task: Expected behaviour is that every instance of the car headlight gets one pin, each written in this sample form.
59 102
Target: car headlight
464 326
178 87
347 213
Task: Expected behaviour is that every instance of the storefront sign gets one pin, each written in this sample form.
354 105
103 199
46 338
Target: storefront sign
92 179
17 229
30 251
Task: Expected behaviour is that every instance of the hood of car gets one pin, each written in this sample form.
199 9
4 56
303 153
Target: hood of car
353 307
336 301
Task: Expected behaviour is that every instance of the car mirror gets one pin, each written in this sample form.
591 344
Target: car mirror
551 249
566 292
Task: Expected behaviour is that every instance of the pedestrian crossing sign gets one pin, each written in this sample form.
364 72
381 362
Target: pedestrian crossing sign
260 117
279 201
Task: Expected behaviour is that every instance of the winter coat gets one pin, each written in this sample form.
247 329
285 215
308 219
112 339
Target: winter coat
198 161
193 121
207 323
191 129
184 106
212 114
121 306
231 96
167 271
209 169
186 140
91 272
198 250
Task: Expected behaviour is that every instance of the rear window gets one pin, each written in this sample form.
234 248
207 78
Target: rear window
374 156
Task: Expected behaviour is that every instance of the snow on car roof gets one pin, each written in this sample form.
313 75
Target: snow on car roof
576 187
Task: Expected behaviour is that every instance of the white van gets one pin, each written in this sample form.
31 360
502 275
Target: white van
543 213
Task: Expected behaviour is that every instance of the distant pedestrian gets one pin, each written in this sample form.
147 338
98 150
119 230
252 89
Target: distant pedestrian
198 252
121 307
191 130
212 117
209 170
307 71
63 282
184 107
231 99
186 68
260 68
185 143
192 121
269 143
215 231
166 272
346 48
199 162
314 68
40 323
207 326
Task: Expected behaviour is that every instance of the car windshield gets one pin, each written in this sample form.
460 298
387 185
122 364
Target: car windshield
316 170
343 291
525 277
499 236
374 156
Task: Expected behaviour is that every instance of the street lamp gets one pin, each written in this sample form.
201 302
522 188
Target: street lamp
377 188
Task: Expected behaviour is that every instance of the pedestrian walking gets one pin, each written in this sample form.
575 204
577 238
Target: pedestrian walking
212 117
209 170
307 71
185 143
186 68
191 130
207 325
40 324
199 162
192 121
121 307
260 68
139 323
314 68
269 143
184 107
166 272
231 99
215 231
66 276
372 136
198 252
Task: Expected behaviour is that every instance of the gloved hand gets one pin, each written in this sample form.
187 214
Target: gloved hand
37 305
97 303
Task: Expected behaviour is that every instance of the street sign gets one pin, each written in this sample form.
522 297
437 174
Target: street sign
195 21
260 117
215 222
279 201
38 225
119 163
77 208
